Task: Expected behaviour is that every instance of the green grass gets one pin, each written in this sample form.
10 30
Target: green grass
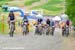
3 2
5 28
49 7
5 22
52 5
53 2
30 2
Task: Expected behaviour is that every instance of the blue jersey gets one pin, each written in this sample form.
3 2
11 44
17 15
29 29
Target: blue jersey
52 23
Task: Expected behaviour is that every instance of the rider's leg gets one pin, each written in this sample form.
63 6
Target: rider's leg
28 27
14 25
53 30
63 31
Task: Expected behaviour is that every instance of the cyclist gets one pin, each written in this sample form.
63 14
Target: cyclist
11 22
11 17
39 20
39 24
67 26
63 28
68 23
52 25
48 22
25 20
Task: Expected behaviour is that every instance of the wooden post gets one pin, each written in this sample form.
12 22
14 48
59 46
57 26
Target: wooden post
2 23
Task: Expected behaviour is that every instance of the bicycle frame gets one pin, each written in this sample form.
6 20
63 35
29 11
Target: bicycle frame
25 30
11 28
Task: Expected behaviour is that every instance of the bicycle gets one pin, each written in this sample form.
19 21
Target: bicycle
51 29
67 31
38 30
12 28
25 28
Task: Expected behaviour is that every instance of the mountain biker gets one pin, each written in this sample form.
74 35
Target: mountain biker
52 25
63 26
11 17
25 20
68 23
40 20
48 22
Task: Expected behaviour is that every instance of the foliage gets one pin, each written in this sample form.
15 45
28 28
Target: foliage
70 7
3 2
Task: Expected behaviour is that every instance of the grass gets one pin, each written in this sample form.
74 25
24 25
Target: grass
47 12
53 2
5 28
30 2
5 22
3 2
51 6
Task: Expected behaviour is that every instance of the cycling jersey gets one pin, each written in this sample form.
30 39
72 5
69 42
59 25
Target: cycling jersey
12 18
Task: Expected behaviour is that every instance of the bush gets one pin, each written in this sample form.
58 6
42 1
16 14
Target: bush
70 7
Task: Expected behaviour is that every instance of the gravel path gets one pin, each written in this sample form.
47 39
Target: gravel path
31 42
35 42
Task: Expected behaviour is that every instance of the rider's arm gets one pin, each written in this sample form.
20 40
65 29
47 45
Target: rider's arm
14 19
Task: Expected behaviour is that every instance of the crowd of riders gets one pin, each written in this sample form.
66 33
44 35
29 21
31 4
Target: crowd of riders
49 25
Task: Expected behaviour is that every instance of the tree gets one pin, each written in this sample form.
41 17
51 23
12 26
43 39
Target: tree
70 10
